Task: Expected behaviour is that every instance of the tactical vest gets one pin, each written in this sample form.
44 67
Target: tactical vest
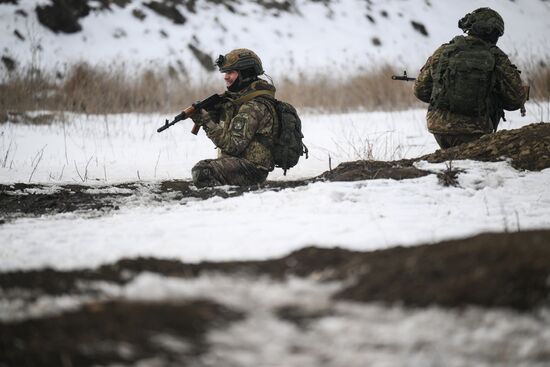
464 78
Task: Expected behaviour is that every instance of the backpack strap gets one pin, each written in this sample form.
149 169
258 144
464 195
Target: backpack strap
250 96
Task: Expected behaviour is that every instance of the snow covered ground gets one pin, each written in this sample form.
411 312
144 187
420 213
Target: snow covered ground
359 215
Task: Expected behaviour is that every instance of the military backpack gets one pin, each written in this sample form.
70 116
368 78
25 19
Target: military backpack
288 144
464 78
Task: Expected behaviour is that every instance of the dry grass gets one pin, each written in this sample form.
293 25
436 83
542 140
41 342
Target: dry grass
366 91
96 89
537 76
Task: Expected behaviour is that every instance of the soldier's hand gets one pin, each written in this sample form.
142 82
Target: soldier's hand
214 112
200 118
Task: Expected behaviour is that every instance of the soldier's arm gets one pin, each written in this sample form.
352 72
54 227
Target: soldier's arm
508 86
242 128
423 83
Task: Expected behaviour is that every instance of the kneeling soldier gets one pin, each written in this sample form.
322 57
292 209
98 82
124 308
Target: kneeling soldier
243 126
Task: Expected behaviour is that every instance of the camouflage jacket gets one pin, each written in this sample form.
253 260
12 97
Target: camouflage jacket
245 129
508 94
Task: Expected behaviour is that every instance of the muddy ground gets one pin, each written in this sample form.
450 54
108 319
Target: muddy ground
507 270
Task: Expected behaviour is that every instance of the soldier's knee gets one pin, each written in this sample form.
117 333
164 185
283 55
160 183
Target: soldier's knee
204 175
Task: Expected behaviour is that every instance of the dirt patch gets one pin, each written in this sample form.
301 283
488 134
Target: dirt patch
528 148
167 10
114 332
203 58
63 16
420 28
490 270
21 199
30 199
370 170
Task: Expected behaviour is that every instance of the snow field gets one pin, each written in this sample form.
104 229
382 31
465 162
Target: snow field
363 215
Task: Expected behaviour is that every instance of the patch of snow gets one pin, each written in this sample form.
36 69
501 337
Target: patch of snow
109 190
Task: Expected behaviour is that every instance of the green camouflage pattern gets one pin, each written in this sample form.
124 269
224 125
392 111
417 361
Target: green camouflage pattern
227 171
449 141
481 22
507 94
244 131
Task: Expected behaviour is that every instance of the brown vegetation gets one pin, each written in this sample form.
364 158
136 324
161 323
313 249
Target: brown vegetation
97 89
112 89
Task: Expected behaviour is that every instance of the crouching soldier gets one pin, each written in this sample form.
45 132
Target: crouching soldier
469 81
243 126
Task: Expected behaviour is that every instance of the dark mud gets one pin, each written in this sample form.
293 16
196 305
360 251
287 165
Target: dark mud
490 270
371 170
21 199
114 332
506 270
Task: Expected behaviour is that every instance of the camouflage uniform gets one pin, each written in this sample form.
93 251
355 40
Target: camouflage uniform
452 129
244 132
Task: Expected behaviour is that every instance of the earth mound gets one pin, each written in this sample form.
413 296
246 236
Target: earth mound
527 147
490 270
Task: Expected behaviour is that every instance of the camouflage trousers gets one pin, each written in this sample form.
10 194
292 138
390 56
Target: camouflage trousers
448 141
227 171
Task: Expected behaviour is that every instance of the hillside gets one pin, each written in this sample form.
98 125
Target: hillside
291 35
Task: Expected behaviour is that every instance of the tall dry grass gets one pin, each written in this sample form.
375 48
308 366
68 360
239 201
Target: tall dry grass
99 89
537 76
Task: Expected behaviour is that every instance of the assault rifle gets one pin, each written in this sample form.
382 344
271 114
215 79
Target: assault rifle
403 77
211 101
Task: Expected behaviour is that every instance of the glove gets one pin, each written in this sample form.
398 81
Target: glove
214 113
201 118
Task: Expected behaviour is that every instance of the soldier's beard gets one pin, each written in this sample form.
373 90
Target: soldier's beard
240 83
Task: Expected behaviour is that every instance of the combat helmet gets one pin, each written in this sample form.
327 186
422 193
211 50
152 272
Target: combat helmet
240 59
483 22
